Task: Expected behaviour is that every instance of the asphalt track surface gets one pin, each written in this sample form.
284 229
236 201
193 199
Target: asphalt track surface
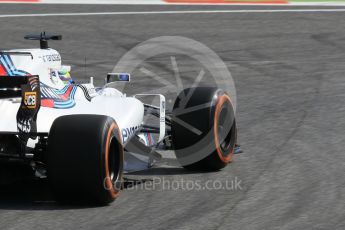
289 74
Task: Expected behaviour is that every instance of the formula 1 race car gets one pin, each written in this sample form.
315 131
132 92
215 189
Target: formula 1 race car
84 138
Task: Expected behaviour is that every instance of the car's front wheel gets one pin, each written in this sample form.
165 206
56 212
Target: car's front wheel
203 129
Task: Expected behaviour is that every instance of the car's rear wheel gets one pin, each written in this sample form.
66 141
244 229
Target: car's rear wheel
85 158
203 129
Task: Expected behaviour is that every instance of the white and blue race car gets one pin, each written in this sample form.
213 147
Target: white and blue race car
84 138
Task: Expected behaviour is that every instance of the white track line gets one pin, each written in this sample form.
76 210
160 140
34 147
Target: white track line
174 12
161 2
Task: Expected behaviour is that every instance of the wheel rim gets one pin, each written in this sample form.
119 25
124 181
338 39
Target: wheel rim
223 136
113 163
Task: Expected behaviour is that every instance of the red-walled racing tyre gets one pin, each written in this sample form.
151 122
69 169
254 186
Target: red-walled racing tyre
85 159
203 129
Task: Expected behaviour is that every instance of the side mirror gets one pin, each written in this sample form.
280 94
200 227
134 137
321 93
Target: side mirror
118 77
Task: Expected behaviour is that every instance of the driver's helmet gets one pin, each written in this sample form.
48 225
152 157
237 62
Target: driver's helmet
63 74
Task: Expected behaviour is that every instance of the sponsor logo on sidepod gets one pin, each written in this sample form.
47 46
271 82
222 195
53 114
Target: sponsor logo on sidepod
128 132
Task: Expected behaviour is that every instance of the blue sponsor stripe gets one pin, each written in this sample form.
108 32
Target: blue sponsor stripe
3 61
10 68
74 90
69 103
10 64
62 91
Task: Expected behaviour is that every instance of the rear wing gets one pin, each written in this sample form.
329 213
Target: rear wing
11 86
28 89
